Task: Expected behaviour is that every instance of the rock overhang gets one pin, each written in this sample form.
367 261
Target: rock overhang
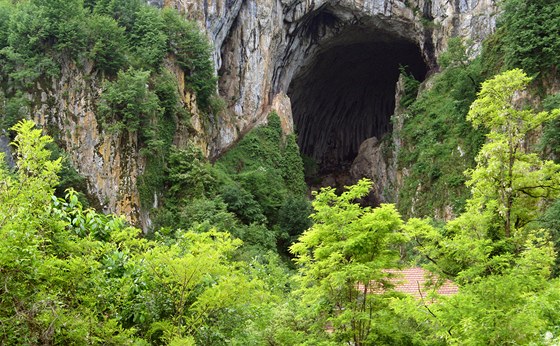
342 86
262 46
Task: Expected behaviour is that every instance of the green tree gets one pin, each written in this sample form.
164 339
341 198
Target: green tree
341 259
52 285
514 303
507 177
72 276
193 53
107 43
494 250
511 187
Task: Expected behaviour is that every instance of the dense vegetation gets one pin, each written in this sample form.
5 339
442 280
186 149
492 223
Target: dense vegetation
217 266
438 142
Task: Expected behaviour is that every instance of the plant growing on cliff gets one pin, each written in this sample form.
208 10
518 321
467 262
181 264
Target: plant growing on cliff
438 143
193 53
128 102
531 40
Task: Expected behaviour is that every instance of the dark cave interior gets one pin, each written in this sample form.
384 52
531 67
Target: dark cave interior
346 94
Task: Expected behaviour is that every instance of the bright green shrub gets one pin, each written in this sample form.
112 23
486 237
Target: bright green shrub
71 276
189 175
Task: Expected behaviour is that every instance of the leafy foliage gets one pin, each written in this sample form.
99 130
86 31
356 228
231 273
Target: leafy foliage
341 260
73 276
250 191
127 101
493 249
531 41
505 171
117 36
438 143
510 188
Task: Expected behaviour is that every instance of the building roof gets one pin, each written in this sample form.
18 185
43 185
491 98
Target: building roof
413 281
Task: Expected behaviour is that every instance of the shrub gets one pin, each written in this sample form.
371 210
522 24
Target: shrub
148 40
193 53
242 204
107 44
531 34
128 101
190 175
438 142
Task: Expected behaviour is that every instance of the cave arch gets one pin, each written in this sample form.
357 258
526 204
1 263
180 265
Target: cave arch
344 93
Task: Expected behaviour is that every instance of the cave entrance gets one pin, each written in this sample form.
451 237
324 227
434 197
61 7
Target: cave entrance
346 94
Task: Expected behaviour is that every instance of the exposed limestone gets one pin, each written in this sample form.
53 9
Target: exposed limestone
5 149
263 45
283 107
110 162
376 159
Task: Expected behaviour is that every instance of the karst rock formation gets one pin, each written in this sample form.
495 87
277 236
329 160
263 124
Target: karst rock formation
328 67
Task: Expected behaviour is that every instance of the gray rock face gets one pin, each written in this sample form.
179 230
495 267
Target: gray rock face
5 149
296 47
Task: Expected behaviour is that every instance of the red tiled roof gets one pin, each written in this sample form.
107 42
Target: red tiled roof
413 281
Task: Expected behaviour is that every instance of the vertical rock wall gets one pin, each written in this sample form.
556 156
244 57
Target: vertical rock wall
261 45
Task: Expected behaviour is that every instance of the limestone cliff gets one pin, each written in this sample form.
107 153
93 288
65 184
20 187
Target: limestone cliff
311 60
263 46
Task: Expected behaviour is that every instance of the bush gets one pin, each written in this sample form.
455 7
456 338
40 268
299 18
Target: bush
67 25
148 39
242 204
267 187
107 44
438 143
293 218
128 101
193 53
190 175
550 141
28 37
531 34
